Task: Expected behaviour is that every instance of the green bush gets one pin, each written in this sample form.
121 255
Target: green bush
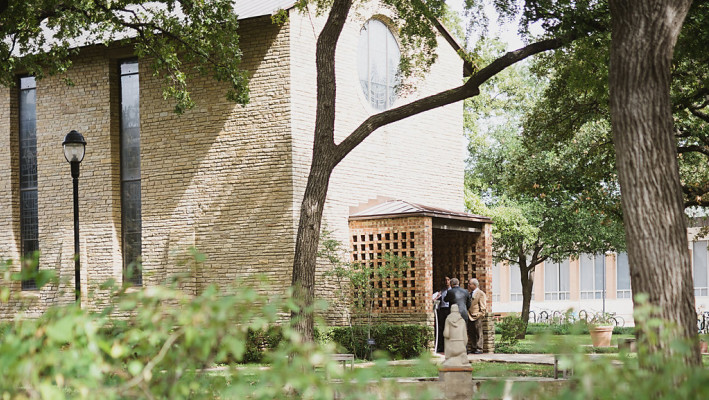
576 328
398 341
259 342
511 327
624 330
160 343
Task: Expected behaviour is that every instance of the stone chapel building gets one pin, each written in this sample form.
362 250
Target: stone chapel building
228 180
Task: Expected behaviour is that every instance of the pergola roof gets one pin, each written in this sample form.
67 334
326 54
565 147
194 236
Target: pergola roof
401 208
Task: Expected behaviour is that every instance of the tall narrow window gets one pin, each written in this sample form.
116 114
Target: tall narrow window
28 173
592 274
556 281
623 276
130 173
699 265
496 282
516 284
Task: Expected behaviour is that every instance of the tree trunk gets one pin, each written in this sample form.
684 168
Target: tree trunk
527 274
306 246
643 37
324 161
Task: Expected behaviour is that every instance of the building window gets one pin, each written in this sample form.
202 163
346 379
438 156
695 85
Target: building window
592 276
623 277
378 64
496 282
28 174
556 281
516 284
130 173
699 266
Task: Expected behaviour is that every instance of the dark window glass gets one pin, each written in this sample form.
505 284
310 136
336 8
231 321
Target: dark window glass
28 174
130 172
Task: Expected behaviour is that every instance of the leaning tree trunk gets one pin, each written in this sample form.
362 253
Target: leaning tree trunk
306 246
643 37
324 161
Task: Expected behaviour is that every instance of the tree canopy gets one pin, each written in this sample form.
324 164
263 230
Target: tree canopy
545 203
577 100
181 37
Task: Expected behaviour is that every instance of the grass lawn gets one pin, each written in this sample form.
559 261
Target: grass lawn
553 344
481 369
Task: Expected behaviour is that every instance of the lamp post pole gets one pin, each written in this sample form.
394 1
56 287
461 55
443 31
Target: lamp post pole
77 262
74 149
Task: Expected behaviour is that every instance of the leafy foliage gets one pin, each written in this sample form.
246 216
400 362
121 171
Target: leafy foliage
259 342
161 343
510 328
181 37
576 107
397 341
656 375
546 203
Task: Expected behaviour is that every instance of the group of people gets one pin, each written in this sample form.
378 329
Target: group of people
472 305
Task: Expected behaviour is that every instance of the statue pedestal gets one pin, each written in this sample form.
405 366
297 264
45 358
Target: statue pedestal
456 382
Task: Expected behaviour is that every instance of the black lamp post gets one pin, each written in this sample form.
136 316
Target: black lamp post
74 149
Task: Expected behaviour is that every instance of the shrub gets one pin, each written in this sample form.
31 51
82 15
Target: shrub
399 341
511 327
160 343
576 328
259 342
624 330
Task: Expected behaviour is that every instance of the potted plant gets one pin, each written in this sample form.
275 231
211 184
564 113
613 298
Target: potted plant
601 329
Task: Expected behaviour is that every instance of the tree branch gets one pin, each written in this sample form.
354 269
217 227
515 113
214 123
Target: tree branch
469 89
695 111
694 148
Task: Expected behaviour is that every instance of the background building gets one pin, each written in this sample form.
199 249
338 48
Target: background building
589 283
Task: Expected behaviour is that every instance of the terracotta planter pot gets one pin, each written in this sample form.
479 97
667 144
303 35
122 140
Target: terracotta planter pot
601 335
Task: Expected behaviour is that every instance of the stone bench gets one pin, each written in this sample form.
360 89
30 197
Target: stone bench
566 372
344 359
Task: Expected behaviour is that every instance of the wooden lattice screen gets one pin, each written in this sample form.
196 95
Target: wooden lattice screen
371 242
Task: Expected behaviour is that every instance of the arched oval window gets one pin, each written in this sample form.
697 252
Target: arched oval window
378 64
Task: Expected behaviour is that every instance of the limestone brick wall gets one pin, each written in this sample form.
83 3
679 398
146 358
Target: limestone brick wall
86 107
217 178
419 159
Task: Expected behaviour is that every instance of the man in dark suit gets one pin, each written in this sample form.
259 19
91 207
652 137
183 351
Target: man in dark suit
459 296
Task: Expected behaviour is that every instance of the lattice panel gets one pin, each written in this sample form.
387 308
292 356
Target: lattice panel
400 293
455 254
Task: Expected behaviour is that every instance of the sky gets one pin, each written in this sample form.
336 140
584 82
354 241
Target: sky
507 32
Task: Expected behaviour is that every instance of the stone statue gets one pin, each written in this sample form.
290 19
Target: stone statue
456 340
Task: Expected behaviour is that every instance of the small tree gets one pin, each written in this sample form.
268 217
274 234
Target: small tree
360 284
545 204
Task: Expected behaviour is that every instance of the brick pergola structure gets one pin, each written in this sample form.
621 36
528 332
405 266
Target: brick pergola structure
437 243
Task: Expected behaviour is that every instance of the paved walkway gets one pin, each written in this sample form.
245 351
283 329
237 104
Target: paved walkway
547 359
543 359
